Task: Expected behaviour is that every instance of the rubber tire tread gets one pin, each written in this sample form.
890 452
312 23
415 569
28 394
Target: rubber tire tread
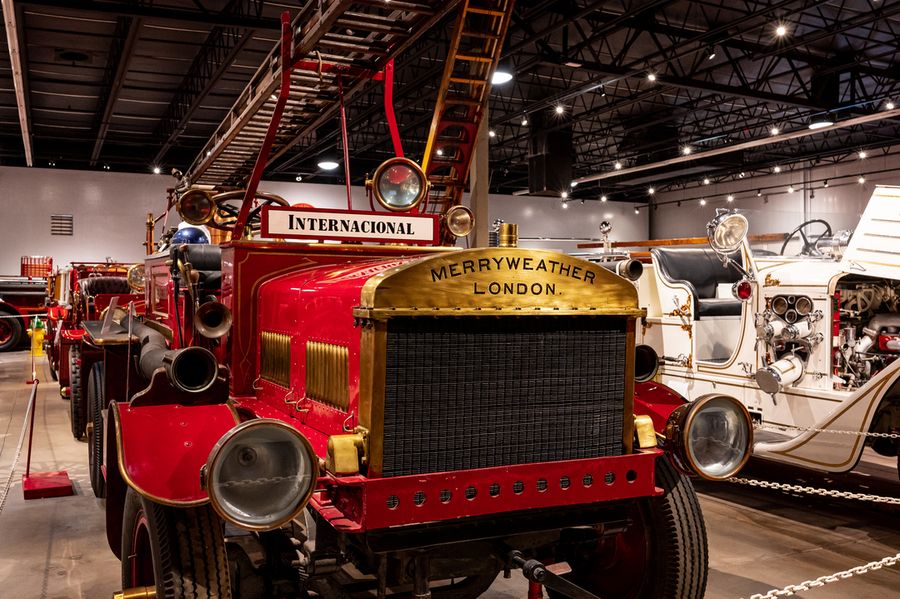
95 406
682 562
18 329
187 546
77 411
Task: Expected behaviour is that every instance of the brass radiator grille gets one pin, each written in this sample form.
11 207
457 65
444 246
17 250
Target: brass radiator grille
275 358
328 373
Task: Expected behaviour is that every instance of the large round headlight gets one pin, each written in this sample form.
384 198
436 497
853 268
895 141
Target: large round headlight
727 231
712 436
135 278
460 221
261 474
196 207
399 184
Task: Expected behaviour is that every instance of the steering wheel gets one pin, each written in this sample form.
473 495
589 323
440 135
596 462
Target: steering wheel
809 243
226 214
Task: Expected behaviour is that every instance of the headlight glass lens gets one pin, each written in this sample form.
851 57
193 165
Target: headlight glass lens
400 186
460 221
261 474
718 437
728 232
195 207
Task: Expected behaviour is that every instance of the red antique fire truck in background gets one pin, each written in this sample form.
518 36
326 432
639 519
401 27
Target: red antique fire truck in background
331 401
22 296
83 291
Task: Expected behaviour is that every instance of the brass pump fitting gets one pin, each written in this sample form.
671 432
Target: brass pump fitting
509 235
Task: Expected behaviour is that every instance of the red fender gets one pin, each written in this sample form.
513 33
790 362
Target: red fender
160 449
657 401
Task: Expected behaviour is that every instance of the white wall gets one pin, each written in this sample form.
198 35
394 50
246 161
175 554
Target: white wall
777 211
110 210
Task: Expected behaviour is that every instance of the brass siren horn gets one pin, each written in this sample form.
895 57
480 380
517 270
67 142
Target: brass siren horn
212 319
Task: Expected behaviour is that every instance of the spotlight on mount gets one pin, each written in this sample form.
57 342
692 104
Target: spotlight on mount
500 77
328 165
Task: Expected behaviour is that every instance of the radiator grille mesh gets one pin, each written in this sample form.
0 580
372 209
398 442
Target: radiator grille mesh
483 392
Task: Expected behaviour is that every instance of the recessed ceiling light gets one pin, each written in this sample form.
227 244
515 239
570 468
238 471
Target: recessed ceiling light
492 133
861 180
559 109
702 202
603 198
777 169
730 198
862 154
706 180
439 152
328 165
156 170
651 77
298 178
500 77
791 189
617 165
774 131
781 31
565 205
889 105
686 150
651 190
564 194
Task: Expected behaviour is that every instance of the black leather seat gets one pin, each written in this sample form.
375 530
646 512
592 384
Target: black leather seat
701 270
92 286
205 259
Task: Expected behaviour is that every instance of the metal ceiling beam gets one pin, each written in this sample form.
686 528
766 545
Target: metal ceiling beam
755 143
16 60
705 86
181 15
222 46
120 54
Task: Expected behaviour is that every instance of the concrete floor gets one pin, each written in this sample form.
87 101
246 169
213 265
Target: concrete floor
759 540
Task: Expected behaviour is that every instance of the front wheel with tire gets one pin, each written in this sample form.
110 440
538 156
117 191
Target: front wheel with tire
11 331
661 555
95 406
77 412
178 551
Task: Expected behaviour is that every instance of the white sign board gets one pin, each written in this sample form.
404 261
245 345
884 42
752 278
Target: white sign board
345 225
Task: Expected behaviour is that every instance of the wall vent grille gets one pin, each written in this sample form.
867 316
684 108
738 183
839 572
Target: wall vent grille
62 224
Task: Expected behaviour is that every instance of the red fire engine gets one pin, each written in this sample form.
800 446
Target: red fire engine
388 415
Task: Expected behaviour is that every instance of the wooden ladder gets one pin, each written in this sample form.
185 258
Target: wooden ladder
474 52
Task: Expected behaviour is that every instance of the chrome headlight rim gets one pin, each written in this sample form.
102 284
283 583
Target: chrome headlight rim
216 453
383 167
678 430
716 233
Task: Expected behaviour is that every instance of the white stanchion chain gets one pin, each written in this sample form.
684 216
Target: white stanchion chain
805 429
891 560
815 491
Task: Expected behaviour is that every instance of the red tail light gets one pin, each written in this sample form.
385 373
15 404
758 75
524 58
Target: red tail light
743 290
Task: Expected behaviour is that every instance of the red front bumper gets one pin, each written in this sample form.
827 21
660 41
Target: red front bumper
357 503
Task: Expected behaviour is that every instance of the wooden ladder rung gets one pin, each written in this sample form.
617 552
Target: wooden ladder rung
467 81
485 11
474 58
